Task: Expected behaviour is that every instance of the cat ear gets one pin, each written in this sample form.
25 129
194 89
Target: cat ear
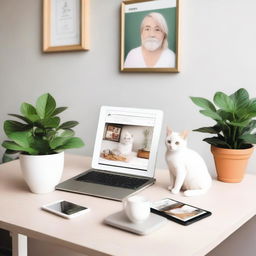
184 134
168 131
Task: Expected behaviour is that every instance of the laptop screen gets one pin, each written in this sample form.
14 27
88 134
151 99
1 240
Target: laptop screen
126 140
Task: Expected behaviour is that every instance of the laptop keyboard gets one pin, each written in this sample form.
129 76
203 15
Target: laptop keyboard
113 180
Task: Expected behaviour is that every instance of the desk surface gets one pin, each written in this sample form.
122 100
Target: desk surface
231 204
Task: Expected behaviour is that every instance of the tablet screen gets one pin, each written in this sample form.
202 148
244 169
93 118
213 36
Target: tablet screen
178 210
126 141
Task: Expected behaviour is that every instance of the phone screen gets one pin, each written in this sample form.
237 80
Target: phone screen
66 207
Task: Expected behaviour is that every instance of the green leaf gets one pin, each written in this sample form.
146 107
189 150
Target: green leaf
217 142
214 130
252 115
52 122
242 113
250 127
240 124
22 118
224 101
203 103
50 135
73 142
68 125
14 126
11 145
57 142
67 133
21 138
40 145
252 106
240 98
248 138
29 111
58 111
213 115
7 158
45 106
225 115
10 152
39 132
61 143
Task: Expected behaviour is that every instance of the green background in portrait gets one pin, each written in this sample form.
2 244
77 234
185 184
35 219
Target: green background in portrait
132 28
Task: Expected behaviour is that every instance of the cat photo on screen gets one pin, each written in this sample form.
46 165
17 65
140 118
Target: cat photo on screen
124 143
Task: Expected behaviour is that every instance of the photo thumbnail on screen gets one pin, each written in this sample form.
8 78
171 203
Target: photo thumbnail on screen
126 141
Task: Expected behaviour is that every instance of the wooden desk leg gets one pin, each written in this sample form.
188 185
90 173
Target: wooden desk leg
19 245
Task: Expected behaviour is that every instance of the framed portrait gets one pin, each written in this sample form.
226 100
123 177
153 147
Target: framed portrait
113 132
65 25
149 36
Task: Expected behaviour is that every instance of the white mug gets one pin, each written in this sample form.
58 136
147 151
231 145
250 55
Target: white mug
137 208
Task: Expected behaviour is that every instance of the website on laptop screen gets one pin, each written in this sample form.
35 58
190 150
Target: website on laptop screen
126 141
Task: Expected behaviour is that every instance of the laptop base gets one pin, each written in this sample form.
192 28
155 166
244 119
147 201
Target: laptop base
99 190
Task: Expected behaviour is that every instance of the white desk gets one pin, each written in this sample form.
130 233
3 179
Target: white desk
231 204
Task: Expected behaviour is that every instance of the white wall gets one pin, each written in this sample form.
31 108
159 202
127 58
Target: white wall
218 52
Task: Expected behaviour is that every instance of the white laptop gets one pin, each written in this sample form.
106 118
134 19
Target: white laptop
124 154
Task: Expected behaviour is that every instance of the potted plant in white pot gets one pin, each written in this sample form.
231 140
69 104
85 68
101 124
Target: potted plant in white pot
41 139
234 136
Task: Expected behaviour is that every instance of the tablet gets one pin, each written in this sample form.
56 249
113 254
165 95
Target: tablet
179 212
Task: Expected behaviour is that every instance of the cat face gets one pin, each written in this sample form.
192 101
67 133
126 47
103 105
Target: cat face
127 138
175 141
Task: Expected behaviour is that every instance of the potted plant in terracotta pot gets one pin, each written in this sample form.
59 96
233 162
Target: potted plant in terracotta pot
232 143
40 138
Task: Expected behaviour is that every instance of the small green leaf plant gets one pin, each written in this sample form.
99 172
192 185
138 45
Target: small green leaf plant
39 130
234 116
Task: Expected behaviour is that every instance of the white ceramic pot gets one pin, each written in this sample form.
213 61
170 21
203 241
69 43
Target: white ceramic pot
43 172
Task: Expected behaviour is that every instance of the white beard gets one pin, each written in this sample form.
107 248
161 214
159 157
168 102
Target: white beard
152 44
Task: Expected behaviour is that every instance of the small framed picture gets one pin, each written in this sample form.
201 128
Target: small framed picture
150 36
113 132
65 25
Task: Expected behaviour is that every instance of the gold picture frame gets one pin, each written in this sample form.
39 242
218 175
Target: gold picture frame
65 25
162 53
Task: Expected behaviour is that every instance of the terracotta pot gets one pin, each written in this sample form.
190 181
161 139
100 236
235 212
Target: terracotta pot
231 163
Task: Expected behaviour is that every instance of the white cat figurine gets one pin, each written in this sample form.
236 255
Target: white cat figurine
125 145
186 166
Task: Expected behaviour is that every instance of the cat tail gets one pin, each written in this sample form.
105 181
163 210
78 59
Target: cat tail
195 192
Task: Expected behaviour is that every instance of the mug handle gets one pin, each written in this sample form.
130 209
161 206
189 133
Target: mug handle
124 203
